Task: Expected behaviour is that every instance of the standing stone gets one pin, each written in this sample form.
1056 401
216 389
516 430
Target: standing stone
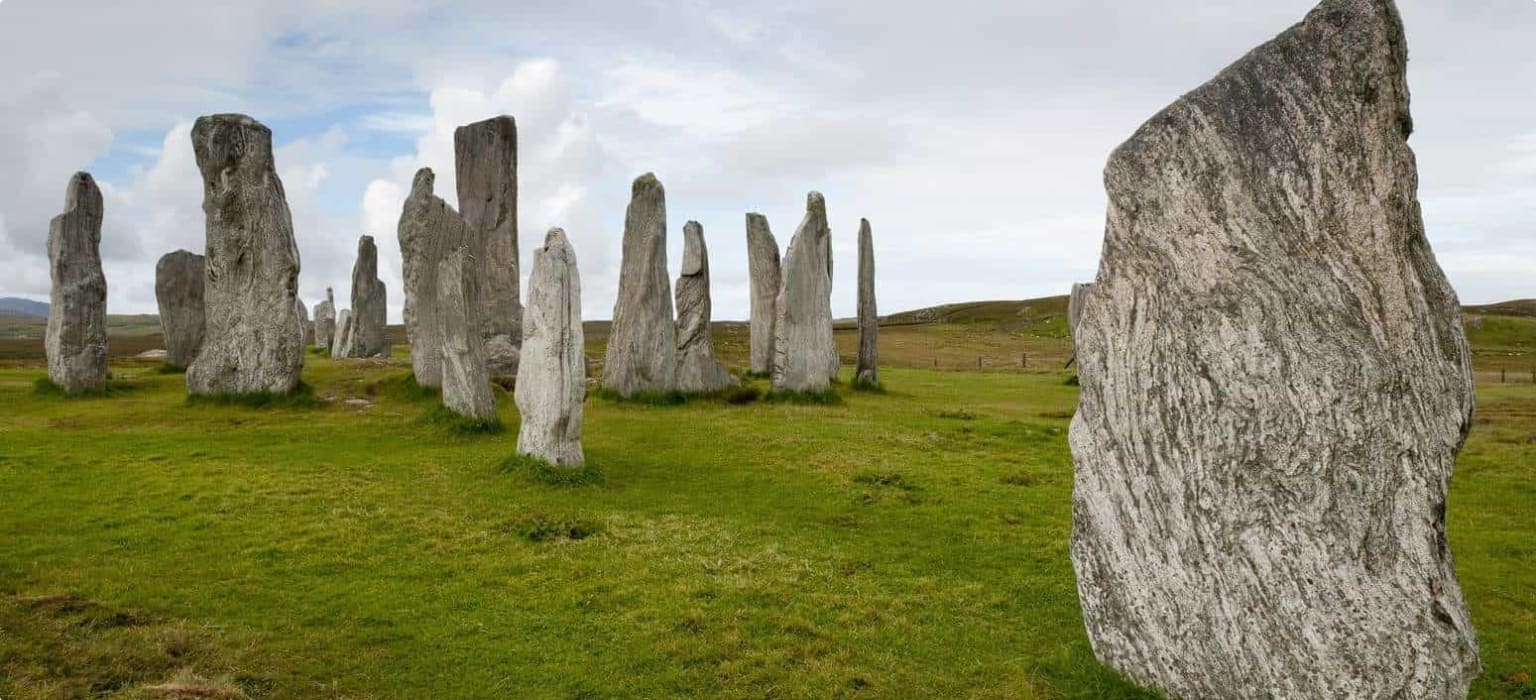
697 369
485 157
369 314
429 230
325 321
868 368
303 313
551 381
803 347
763 268
1075 305
341 345
76 342
466 384
1267 427
253 342
179 279
642 345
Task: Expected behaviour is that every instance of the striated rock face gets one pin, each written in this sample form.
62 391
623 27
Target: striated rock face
341 344
76 341
697 369
466 384
551 381
252 342
642 347
325 320
302 312
803 347
369 314
1275 385
429 230
1075 305
485 157
868 367
179 294
763 268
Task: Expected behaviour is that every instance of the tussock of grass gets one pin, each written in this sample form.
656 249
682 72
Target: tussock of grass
402 388
544 527
1021 479
443 417
885 479
302 397
830 397
1071 381
643 398
45 387
542 472
169 368
956 414
868 387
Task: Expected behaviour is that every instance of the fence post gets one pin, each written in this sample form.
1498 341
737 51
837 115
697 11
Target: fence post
1501 375
1023 360
978 362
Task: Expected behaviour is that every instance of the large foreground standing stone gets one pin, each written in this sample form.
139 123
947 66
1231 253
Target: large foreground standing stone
642 346
179 280
253 342
429 230
697 369
466 384
803 347
485 158
76 341
341 344
1275 385
551 381
867 370
369 313
763 268
325 320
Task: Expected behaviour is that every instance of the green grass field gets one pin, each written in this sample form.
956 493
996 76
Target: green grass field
906 544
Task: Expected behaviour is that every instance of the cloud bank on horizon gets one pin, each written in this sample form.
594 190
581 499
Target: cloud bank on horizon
972 136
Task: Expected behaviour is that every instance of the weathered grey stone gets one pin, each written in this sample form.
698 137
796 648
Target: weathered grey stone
763 268
485 157
429 231
1274 389
303 313
1075 305
76 340
803 347
697 369
642 345
369 313
466 384
325 321
867 370
341 344
551 381
179 279
252 340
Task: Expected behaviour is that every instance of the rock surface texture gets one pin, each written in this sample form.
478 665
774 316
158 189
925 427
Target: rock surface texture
697 369
1275 385
642 346
1075 305
763 268
429 230
341 343
325 320
302 312
252 341
466 383
369 313
76 340
485 157
551 381
867 370
179 295
803 348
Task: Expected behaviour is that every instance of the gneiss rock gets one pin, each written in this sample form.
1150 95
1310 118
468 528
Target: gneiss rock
642 345
325 320
868 368
803 347
763 268
466 385
303 313
252 342
368 305
76 341
1275 385
179 295
697 369
1075 305
485 158
429 230
551 381
341 344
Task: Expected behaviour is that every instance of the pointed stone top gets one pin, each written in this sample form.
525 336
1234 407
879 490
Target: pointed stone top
555 236
863 225
646 183
82 192
756 218
365 241
814 202
229 119
693 249
557 246
423 182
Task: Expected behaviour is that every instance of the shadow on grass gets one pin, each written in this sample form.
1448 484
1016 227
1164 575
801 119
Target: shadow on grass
169 368
402 389
868 387
443 417
830 397
302 397
735 396
542 472
45 387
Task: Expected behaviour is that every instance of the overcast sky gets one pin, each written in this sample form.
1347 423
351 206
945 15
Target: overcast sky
971 133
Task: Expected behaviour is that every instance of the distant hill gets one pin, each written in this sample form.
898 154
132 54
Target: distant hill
24 308
1518 307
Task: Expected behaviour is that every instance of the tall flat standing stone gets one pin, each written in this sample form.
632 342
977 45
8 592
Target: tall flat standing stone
466 384
803 346
369 313
252 342
1267 427
429 231
763 268
642 346
867 370
341 345
697 369
302 312
485 157
76 340
325 320
179 278
551 381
